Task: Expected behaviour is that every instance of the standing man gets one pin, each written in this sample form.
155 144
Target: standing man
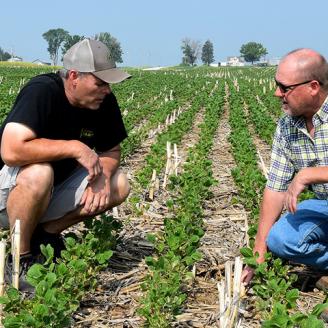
299 159
60 145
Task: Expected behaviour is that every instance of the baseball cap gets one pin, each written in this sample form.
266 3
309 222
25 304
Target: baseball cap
92 56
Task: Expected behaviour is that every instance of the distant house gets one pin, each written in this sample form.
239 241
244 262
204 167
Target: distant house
268 62
152 68
274 61
261 63
40 62
235 61
15 59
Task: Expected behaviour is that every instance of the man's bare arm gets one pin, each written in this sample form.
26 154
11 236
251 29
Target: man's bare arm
110 160
304 178
271 208
20 146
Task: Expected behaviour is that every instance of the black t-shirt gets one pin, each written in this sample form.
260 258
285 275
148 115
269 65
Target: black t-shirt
43 106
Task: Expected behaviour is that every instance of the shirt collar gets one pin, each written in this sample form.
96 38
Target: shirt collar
323 111
297 121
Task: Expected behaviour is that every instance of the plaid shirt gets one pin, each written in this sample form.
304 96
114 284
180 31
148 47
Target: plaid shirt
293 149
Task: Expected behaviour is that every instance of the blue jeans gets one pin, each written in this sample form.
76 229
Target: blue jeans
302 237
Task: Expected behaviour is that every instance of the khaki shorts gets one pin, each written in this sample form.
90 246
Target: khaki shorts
64 199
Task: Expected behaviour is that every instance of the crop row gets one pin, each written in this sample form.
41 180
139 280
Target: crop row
176 247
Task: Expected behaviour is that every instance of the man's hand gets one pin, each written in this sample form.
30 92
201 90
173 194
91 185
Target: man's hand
95 198
247 275
271 207
260 248
294 190
90 160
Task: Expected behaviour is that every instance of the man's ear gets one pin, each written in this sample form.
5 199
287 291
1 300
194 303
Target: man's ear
73 76
315 87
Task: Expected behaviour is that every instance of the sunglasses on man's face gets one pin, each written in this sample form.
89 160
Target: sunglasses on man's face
285 88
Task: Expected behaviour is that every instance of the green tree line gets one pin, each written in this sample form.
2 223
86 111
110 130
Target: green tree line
59 41
4 56
192 50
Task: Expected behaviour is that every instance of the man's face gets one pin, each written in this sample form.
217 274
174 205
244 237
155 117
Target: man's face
90 91
293 90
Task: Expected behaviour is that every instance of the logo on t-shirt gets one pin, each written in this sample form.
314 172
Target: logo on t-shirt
85 133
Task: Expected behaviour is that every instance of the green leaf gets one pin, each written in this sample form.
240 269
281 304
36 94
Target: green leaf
298 317
48 252
51 278
13 293
70 242
319 308
278 321
161 262
104 257
246 252
61 269
41 288
196 256
252 230
49 296
150 261
161 246
170 203
151 238
13 322
194 239
312 322
174 242
250 261
4 300
268 256
40 310
292 296
189 260
79 265
35 274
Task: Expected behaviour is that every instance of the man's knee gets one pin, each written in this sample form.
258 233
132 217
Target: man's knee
282 242
120 187
36 177
275 243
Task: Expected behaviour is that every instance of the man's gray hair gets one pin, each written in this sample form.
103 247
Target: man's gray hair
63 73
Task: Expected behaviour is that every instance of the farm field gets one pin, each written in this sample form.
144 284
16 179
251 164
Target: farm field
196 157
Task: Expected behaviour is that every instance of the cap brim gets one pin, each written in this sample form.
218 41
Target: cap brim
112 75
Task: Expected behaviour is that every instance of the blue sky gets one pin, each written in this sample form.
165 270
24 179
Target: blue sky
150 32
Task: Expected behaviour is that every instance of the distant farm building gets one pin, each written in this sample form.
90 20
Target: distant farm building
15 59
40 62
235 61
268 62
274 61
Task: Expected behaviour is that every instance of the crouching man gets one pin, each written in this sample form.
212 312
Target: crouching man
60 147
299 160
